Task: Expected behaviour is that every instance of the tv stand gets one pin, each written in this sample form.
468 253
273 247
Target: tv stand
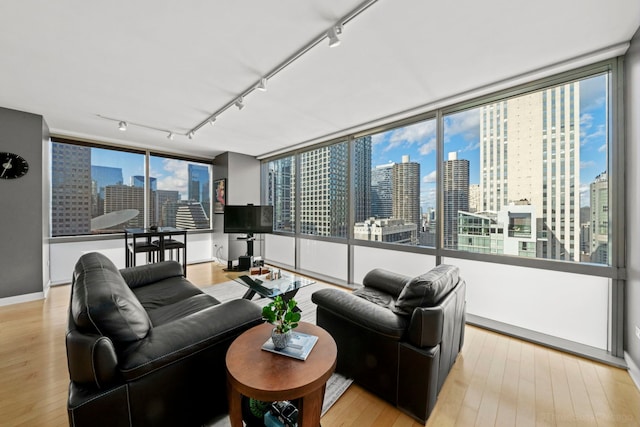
246 262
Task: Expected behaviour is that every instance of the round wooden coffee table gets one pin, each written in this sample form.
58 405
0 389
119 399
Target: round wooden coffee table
270 377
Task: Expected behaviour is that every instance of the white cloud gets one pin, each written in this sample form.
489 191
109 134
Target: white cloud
428 146
589 164
466 123
409 135
585 195
602 148
593 92
175 176
430 178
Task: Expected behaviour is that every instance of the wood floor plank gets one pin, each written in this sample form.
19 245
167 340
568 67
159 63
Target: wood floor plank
496 380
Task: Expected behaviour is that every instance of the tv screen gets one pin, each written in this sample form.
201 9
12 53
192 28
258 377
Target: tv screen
248 219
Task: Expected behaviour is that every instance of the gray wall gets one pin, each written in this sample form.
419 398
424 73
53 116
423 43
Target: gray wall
24 206
632 291
242 173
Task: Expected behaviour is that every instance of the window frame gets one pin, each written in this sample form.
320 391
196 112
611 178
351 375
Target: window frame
615 168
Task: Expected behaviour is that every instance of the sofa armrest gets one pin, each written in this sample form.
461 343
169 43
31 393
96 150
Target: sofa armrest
92 359
173 341
143 275
386 281
361 312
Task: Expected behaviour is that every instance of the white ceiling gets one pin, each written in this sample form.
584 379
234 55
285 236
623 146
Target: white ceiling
169 65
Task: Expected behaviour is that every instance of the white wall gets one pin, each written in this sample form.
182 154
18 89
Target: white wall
64 255
565 305
280 249
325 258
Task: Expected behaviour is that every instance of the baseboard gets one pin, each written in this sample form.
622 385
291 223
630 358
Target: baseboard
21 298
634 370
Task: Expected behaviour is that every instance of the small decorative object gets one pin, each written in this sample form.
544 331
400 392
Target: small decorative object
282 314
12 166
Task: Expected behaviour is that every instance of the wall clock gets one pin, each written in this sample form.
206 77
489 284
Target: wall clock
12 166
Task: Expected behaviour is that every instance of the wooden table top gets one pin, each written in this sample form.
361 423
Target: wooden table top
268 376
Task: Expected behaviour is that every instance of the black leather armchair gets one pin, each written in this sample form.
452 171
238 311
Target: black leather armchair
398 336
145 347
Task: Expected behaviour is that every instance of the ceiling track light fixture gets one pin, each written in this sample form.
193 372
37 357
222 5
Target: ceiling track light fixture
212 121
191 134
123 125
333 33
334 40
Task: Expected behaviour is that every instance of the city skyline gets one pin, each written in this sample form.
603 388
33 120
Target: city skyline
462 135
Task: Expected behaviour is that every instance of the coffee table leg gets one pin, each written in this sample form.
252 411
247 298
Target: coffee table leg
310 408
235 406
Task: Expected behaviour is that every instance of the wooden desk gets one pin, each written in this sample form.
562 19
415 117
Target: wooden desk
270 377
160 234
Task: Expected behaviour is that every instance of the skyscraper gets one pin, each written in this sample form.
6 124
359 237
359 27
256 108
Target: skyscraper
281 193
599 195
362 178
455 196
526 155
70 189
198 186
138 181
323 195
406 193
101 176
382 191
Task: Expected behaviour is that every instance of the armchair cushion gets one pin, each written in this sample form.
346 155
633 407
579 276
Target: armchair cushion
427 289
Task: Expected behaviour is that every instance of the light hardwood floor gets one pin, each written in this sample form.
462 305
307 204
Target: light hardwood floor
496 381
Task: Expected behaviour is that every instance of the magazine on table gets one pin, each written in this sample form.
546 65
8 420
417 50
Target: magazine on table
299 346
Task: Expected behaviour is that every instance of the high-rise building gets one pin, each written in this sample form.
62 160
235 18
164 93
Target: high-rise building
384 230
101 176
599 197
70 189
167 207
455 196
190 215
281 193
530 149
121 197
323 195
138 181
382 191
362 178
198 188
406 193
474 197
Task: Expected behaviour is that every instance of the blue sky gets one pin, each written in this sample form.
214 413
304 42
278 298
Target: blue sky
462 136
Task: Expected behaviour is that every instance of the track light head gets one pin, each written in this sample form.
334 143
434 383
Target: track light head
212 121
262 85
240 103
191 134
170 136
122 126
333 32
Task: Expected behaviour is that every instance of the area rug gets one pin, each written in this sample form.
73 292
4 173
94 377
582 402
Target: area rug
336 385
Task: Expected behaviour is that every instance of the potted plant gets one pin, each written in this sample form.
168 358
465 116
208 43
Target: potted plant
283 315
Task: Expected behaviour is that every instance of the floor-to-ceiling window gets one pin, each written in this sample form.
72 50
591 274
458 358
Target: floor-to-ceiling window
98 189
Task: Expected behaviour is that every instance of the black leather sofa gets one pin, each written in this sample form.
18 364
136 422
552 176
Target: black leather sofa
398 336
145 347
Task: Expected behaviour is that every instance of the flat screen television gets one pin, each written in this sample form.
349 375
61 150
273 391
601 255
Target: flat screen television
248 219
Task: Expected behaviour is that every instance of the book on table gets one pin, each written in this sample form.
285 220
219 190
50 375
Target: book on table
299 347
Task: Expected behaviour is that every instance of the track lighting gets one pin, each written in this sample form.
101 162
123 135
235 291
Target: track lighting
170 136
212 121
333 32
122 126
191 135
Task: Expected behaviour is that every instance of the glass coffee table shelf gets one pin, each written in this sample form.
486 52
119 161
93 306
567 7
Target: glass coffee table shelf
287 285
